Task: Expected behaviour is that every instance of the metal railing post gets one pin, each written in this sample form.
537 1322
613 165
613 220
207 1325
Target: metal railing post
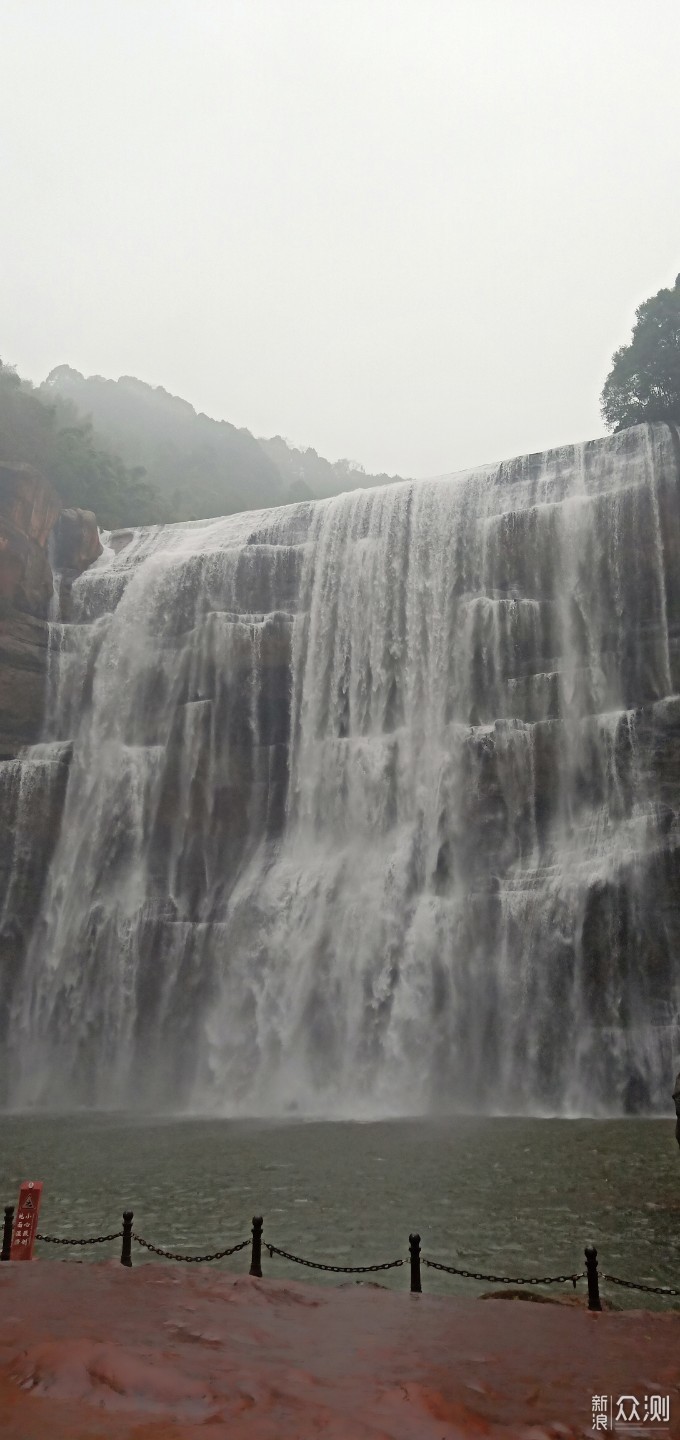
126 1246
7 1233
414 1249
594 1302
256 1249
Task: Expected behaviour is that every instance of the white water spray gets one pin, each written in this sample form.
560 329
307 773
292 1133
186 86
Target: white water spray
365 812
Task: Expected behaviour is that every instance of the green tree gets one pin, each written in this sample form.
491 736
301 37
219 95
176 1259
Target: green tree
644 381
49 433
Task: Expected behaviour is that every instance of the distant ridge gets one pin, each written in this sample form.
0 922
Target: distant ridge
200 467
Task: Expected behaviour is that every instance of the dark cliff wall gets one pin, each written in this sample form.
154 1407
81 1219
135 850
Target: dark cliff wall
34 530
29 507
35 533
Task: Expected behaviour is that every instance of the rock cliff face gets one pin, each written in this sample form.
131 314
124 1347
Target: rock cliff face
74 546
373 802
29 505
37 537
28 510
23 678
76 543
36 533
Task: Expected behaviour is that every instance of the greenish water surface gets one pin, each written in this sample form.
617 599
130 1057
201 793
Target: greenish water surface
514 1197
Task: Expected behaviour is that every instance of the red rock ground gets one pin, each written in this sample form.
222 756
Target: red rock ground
94 1351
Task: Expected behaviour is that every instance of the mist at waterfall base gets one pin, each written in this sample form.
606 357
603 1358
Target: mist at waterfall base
370 804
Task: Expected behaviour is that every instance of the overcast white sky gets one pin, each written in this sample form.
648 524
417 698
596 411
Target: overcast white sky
407 231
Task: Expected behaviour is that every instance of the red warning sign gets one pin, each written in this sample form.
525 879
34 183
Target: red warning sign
26 1223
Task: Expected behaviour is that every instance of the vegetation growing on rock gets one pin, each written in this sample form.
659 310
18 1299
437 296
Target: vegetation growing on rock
644 381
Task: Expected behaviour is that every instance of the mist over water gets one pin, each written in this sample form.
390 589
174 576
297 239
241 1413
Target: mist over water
516 1197
370 804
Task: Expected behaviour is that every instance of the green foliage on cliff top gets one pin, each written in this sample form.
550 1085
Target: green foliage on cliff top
644 381
62 445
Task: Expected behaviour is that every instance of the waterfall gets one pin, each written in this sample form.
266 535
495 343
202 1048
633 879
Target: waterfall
370 805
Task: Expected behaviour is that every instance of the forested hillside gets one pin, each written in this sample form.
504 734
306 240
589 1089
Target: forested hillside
51 435
309 471
199 466
136 455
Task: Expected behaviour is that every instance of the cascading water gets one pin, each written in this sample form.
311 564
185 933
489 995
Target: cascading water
372 805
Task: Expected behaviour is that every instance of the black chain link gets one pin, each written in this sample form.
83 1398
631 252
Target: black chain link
334 1269
90 1239
190 1259
505 1279
361 1269
633 1285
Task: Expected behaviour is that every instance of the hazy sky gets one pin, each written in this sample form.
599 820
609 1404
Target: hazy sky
411 232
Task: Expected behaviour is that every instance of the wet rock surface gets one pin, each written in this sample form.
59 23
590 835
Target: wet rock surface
31 791
28 501
74 546
159 1354
23 674
37 538
29 507
75 540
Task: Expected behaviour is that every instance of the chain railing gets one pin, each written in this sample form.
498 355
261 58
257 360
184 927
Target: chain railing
67 1240
190 1259
333 1269
506 1279
128 1236
637 1285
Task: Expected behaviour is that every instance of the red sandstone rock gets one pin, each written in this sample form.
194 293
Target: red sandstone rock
76 542
162 1353
28 509
28 501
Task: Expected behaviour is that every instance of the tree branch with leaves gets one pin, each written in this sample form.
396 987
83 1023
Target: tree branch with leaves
644 381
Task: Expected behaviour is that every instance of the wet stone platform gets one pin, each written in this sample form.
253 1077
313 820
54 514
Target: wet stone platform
158 1353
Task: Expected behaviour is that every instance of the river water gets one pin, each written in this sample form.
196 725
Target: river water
516 1197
